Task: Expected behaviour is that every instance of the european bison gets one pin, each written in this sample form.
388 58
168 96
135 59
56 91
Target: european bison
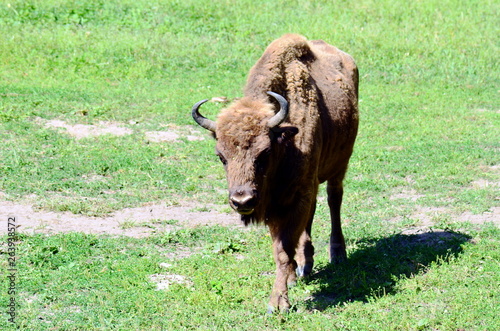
275 160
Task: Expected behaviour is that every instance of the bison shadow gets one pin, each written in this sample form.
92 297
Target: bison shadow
376 265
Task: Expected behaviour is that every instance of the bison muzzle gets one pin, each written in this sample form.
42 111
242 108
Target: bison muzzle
275 160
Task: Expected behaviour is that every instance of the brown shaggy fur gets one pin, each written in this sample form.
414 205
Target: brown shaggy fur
242 118
276 172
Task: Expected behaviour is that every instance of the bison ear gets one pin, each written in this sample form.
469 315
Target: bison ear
284 134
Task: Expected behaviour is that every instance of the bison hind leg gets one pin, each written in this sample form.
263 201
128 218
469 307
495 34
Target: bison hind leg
337 244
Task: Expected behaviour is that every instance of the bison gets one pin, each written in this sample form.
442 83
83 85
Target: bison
275 160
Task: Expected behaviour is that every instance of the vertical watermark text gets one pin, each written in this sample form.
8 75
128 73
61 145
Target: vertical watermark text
11 268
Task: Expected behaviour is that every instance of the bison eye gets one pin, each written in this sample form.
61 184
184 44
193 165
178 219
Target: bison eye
262 160
222 158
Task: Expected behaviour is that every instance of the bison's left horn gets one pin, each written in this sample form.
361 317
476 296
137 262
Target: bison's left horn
200 119
282 114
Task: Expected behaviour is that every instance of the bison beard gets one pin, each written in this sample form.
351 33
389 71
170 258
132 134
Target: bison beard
248 219
275 160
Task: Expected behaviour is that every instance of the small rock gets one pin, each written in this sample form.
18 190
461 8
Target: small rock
165 265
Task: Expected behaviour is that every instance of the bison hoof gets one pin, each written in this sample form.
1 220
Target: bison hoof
272 310
338 257
303 271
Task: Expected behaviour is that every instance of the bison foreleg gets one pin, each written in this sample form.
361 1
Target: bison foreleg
337 243
284 245
305 249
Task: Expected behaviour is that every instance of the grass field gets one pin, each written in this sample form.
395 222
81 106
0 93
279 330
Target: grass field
422 199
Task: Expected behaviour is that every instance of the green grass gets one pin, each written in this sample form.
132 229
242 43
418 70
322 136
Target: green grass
429 126
412 287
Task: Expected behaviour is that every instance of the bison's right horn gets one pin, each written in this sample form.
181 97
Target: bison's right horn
282 114
200 119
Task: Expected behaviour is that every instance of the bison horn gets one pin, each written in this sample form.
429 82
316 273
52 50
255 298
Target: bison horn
200 119
282 114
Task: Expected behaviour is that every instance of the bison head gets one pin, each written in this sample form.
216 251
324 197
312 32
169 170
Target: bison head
250 145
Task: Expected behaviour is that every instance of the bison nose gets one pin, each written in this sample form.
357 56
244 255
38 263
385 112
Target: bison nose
243 201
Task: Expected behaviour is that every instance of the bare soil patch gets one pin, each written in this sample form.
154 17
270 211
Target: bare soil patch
80 131
426 218
492 216
134 222
163 281
171 133
174 135
159 217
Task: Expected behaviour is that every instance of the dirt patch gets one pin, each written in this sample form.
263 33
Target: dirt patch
160 136
133 222
163 281
172 133
80 131
426 217
158 217
171 136
493 216
483 183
